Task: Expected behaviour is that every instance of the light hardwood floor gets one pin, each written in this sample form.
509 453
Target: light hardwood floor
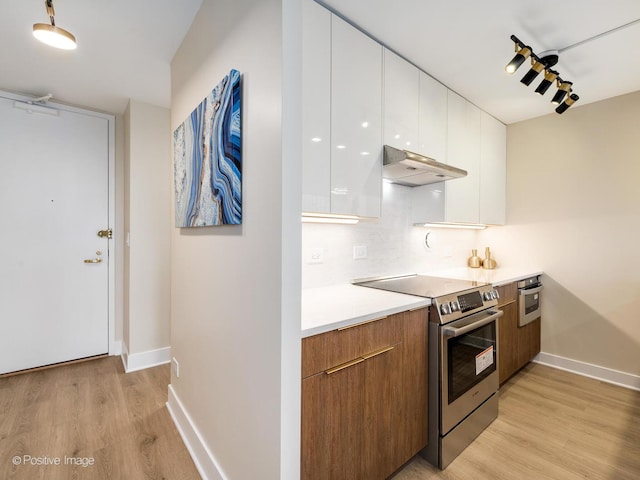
90 410
553 425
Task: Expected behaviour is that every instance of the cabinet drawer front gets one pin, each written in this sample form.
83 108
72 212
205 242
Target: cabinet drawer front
331 349
508 293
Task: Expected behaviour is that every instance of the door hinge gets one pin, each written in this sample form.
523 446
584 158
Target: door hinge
106 233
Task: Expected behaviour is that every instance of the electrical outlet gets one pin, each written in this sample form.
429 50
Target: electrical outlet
316 255
359 252
176 367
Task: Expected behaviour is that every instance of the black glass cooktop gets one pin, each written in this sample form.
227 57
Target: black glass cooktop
421 285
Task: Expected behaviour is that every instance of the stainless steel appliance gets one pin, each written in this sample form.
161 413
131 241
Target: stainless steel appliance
463 376
529 300
412 169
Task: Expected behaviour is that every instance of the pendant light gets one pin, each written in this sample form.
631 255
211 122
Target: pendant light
51 34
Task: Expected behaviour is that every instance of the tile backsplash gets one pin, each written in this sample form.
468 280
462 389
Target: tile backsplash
391 245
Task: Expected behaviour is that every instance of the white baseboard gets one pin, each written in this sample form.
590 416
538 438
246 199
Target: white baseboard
139 361
205 462
608 375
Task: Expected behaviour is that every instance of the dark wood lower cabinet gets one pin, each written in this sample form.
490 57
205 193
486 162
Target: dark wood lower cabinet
364 418
508 341
528 342
332 418
516 345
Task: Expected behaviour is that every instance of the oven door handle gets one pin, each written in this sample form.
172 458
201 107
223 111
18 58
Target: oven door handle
530 291
456 332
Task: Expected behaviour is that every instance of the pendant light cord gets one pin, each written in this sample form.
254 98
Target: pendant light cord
600 35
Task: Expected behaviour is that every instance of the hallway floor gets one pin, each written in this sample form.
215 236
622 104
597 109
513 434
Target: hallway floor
90 421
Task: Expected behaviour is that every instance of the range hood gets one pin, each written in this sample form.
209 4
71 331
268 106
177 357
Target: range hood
411 169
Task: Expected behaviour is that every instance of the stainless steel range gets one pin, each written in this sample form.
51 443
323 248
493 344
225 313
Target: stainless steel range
463 375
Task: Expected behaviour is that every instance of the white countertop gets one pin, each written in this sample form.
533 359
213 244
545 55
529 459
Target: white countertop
335 306
496 277
328 308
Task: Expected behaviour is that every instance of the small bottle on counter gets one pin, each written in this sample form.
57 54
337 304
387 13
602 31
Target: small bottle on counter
488 262
474 260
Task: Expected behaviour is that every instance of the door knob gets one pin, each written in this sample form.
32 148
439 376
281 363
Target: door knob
95 260
105 233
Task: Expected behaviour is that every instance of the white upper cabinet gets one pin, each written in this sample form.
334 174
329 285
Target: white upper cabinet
316 107
493 170
462 201
433 119
401 103
356 122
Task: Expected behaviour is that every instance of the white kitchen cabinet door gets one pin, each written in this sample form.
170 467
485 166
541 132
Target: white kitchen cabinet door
356 122
463 151
493 170
316 108
433 118
401 103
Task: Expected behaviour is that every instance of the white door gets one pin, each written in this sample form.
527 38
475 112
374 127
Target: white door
54 269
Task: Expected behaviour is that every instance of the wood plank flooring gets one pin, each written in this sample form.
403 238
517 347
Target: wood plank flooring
90 412
553 425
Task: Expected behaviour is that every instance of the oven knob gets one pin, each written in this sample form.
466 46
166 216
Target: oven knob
455 306
495 294
445 309
487 295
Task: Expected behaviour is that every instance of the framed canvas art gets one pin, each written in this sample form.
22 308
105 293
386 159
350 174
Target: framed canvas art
207 152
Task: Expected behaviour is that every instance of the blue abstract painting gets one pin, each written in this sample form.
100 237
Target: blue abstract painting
207 151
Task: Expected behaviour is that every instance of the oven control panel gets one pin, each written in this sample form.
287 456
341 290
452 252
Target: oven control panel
456 305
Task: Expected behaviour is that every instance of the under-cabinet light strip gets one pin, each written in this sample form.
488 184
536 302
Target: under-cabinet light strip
470 226
329 218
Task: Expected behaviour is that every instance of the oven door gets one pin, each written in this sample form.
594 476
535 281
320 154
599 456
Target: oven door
529 305
468 365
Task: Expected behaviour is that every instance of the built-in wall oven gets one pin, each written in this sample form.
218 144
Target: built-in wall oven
463 377
529 300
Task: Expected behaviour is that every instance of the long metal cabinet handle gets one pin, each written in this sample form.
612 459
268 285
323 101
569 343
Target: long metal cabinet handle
358 360
456 332
361 323
93 260
376 353
344 365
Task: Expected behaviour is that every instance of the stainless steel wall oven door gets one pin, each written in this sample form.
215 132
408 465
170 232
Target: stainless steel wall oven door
529 300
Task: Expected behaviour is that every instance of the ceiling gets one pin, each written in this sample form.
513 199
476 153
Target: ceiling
124 50
125 47
465 45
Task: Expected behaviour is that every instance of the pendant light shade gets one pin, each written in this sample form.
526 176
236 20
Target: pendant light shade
51 34
54 36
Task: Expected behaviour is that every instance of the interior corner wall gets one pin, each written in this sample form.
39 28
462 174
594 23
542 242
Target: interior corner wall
573 210
227 281
147 230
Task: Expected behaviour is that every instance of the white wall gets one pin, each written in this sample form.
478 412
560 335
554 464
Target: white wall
236 289
147 201
394 246
573 209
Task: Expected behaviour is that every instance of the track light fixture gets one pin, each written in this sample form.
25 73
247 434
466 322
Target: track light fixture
542 63
522 53
570 100
549 78
563 89
50 34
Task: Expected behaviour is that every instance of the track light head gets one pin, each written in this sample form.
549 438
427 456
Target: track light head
522 54
533 72
549 77
570 100
563 89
